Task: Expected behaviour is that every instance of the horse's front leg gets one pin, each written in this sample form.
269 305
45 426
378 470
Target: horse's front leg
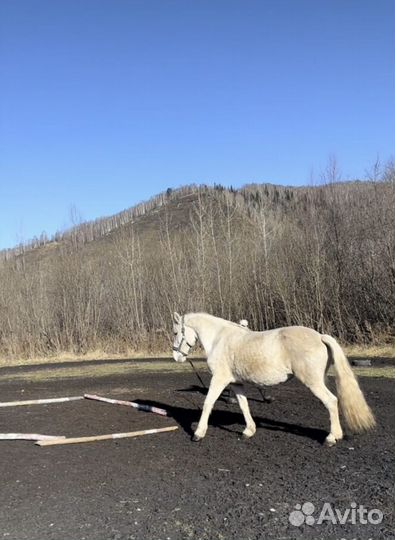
217 385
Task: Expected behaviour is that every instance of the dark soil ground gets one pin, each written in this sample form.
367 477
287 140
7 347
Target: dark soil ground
164 486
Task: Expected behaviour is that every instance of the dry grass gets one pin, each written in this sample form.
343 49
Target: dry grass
96 371
370 351
92 355
72 357
388 372
352 351
108 369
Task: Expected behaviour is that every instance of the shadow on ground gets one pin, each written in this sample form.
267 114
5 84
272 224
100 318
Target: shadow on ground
185 417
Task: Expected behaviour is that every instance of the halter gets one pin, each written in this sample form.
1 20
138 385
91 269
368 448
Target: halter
183 340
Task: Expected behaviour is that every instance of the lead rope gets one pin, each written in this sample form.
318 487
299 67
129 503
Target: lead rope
189 360
197 374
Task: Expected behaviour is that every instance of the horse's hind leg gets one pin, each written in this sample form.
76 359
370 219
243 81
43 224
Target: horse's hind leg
217 384
330 402
250 428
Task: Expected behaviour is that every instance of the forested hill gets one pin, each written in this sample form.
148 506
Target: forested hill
176 202
318 256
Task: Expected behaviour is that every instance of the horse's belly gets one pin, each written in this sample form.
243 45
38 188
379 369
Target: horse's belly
254 364
265 375
268 378
271 379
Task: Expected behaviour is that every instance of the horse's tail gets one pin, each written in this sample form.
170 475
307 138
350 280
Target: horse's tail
356 411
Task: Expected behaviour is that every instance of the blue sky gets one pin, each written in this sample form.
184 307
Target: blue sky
104 103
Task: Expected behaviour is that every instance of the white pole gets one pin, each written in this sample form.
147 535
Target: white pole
29 437
39 401
75 440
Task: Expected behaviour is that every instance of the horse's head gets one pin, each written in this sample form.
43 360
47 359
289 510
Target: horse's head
184 338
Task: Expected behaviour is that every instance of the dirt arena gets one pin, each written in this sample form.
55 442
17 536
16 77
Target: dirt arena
164 486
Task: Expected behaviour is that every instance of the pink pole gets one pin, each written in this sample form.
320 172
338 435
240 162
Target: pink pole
138 406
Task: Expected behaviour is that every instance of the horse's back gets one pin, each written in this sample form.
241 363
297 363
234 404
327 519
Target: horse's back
300 339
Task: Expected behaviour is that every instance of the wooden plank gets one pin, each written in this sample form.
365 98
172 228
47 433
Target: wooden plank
39 401
76 440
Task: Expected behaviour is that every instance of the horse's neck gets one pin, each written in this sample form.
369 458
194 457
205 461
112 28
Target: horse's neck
206 328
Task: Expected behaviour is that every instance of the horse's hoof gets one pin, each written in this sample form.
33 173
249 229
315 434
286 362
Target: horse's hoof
330 441
196 438
246 436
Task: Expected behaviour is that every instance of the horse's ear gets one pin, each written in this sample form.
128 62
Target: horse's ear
176 317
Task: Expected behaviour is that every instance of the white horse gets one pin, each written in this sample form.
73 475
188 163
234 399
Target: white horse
236 354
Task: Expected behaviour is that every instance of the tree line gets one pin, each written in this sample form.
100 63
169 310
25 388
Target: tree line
320 256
